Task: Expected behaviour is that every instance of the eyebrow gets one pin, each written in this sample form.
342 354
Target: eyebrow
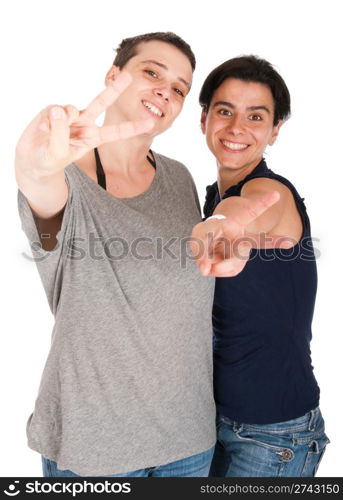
249 108
151 61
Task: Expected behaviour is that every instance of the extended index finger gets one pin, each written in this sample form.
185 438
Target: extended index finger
255 208
108 96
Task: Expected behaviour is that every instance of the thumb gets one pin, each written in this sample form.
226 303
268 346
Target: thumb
59 132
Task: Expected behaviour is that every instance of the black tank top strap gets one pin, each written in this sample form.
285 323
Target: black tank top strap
151 160
99 170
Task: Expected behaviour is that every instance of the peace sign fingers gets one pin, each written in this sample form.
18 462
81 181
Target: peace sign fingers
107 96
124 130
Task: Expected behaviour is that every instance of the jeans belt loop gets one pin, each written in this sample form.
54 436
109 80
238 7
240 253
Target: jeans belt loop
311 424
237 426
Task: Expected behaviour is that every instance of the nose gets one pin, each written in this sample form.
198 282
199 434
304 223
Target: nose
163 93
235 125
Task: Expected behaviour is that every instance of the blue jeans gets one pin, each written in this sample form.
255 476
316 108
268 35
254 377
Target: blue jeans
287 449
194 466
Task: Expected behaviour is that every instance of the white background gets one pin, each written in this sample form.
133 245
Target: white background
59 52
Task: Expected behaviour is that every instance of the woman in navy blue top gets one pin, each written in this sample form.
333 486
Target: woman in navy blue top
269 422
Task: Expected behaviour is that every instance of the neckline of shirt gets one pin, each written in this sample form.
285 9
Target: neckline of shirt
151 189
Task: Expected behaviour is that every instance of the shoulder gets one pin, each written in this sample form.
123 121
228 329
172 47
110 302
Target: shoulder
264 185
172 165
177 177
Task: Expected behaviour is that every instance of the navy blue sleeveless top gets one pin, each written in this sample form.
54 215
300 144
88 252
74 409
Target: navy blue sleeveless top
262 326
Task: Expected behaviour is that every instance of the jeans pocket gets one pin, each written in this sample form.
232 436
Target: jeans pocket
280 447
264 455
314 456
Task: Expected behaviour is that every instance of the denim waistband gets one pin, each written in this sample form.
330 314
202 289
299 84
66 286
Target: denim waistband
311 421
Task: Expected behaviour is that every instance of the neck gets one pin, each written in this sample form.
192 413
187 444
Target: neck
228 177
125 156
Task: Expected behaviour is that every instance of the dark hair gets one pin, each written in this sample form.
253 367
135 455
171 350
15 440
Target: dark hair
250 69
128 47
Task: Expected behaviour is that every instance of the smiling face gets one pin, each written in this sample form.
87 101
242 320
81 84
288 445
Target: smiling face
239 124
161 79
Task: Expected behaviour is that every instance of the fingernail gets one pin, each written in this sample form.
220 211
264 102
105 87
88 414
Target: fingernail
56 113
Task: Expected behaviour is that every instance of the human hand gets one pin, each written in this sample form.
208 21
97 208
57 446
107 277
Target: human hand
222 246
60 135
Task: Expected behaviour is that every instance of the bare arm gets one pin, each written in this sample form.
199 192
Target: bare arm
251 192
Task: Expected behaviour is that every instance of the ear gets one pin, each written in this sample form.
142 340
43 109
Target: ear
112 74
203 121
275 132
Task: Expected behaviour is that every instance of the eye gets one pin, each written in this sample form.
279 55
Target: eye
151 73
178 91
255 118
225 112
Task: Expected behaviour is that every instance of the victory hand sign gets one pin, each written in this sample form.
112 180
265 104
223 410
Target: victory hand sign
222 246
60 135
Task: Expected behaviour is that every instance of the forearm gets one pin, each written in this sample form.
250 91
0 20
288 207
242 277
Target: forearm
47 195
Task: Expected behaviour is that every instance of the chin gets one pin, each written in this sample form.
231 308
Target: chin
226 163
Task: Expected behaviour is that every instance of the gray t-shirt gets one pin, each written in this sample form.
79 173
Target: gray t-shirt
128 379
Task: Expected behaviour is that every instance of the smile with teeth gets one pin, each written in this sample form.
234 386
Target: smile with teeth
154 109
234 145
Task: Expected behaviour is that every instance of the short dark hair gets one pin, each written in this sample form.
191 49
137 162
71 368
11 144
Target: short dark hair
128 47
250 69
